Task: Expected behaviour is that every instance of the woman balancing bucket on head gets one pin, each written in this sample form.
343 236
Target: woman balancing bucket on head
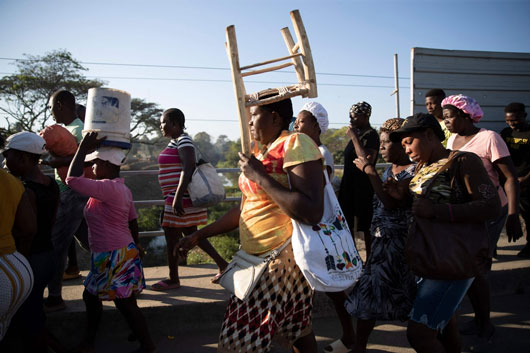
282 298
116 271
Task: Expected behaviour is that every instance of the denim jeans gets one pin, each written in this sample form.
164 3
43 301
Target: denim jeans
436 301
69 217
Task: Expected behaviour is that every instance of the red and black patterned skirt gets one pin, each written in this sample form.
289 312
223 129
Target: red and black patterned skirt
280 305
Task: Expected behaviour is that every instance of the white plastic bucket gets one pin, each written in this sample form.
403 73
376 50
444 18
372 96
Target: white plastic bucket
108 112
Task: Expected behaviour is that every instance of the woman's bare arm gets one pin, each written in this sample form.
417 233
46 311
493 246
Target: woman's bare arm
506 170
187 157
228 222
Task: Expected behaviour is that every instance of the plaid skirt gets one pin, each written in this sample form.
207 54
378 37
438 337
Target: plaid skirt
280 305
115 274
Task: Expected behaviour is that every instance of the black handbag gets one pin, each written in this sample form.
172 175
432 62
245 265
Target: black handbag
444 250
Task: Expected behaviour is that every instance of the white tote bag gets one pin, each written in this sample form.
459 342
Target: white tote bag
325 252
206 188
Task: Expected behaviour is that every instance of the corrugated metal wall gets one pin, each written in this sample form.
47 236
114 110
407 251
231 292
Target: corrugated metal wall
494 79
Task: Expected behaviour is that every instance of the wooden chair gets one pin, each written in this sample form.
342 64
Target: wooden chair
299 56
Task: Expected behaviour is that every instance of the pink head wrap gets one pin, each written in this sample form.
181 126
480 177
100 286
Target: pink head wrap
467 104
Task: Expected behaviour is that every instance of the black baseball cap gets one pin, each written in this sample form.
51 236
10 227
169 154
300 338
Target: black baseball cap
418 122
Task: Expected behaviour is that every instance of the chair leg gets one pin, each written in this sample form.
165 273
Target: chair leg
289 42
239 88
309 67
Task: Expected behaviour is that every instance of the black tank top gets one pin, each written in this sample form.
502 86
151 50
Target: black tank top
47 198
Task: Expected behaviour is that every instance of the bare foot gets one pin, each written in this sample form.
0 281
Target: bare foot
215 279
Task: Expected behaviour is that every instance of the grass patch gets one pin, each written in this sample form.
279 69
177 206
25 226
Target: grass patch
226 246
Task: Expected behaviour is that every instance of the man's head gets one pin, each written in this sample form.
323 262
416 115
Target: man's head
515 116
62 106
80 111
433 102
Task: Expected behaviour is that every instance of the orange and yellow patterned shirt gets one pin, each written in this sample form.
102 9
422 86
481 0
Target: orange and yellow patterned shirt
263 226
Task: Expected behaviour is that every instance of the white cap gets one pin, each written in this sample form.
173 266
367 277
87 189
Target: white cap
27 142
113 155
319 113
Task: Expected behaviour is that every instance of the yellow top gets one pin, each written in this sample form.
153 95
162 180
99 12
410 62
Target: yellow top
11 190
447 133
263 226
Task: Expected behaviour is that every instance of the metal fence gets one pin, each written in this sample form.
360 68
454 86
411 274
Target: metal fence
144 203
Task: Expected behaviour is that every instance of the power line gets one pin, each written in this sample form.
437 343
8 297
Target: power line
210 68
237 121
225 81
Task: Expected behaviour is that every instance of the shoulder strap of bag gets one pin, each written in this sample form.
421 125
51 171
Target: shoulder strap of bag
452 157
199 157
271 255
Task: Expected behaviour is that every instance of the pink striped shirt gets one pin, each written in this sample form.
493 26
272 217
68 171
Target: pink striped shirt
170 167
107 212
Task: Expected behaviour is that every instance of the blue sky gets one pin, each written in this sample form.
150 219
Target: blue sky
346 37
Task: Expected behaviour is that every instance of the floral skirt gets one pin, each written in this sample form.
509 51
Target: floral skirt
386 288
116 274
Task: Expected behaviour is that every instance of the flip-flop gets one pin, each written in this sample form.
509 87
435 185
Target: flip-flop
337 347
164 285
215 279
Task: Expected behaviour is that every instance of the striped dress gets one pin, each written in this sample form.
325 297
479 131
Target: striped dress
170 167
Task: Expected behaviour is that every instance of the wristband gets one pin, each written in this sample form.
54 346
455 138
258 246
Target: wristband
364 167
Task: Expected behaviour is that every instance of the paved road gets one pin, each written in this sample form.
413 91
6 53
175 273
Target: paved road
188 320
511 316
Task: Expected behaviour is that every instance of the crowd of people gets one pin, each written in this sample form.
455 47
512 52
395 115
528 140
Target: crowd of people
442 170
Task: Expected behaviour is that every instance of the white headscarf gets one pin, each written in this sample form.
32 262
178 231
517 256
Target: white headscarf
319 113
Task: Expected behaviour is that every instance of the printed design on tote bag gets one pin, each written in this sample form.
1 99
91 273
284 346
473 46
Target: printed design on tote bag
341 257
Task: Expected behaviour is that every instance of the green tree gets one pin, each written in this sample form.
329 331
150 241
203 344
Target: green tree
207 150
222 144
145 121
230 159
24 95
335 140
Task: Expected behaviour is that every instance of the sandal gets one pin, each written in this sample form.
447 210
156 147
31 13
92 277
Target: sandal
215 279
165 284
337 347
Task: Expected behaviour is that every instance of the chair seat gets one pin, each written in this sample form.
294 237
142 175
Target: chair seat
280 93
